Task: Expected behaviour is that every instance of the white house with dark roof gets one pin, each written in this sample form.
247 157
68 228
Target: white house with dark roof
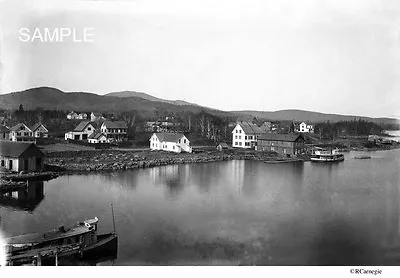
97 137
171 142
305 128
245 134
39 131
81 132
115 131
21 133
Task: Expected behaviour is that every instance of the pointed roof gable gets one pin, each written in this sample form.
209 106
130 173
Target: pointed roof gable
82 125
36 126
18 126
96 135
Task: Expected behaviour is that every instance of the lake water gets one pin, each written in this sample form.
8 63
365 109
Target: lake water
234 212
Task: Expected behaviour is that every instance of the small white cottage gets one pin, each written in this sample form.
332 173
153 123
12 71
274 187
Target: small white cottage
97 137
171 142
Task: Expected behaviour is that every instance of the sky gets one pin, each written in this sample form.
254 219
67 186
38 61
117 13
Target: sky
332 56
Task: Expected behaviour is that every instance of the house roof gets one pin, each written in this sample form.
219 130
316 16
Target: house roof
223 144
250 128
17 127
3 128
280 137
169 137
96 135
82 125
36 126
116 124
16 149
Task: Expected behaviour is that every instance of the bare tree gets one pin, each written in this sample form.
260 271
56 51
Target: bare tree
202 124
129 118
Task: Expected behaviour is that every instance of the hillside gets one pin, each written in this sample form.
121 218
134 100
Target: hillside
54 99
301 115
125 94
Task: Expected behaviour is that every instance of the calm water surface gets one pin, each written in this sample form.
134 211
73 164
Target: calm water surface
235 212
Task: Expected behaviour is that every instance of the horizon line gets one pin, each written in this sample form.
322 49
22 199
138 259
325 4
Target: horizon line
195 104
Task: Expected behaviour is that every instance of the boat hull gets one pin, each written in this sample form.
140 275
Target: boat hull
106 245
327 158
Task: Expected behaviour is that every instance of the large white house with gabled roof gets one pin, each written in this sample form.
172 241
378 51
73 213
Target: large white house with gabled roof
21 133
81 132
171 142
245 134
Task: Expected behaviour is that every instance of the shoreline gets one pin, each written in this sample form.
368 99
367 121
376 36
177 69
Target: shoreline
112 160
72 162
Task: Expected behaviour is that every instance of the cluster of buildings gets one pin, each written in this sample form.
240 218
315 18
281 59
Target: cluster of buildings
250 136
245 135
23 133
106 132
18 151
94 116
165 124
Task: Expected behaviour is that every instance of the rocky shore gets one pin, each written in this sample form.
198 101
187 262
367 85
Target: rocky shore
114 160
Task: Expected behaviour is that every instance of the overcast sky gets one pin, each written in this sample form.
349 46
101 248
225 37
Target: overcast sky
335 56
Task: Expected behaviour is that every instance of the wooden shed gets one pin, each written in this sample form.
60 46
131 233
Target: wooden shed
21 156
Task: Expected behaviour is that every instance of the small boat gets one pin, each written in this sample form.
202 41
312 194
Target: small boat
80 240
326 155
362 157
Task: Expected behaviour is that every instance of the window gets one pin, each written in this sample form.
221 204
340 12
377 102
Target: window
89 129
245 137
235 136
236 131
173 147
2 163
184 141
236 143
240 131
240 143
240 137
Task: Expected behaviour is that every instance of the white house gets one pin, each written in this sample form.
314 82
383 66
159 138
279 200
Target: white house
94 116
21 133
115 131
72 115
39 131
81 132
245 135
97 137
305 128
172 142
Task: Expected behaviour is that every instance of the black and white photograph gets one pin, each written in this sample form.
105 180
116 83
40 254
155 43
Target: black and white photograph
225 133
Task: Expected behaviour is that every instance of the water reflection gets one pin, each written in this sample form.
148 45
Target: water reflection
235 212
25 198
